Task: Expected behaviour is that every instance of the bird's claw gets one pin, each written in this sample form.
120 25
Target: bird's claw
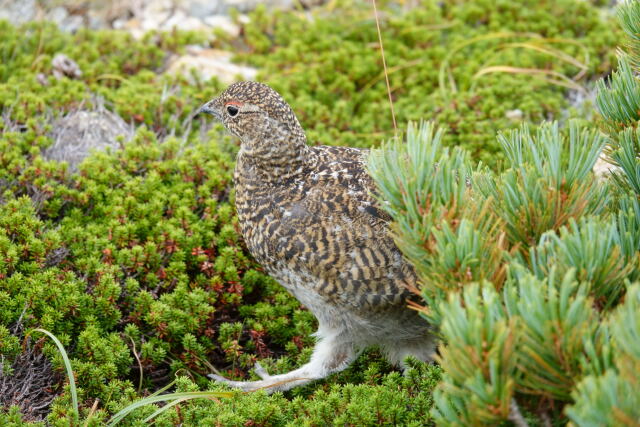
243 385
260 371
218 378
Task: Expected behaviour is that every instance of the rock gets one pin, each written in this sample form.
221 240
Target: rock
141 16
57 14
161 15
224 23
69 23
314 3
42 79
514 115
603 168
210 63
65 66
181 21
203 8
248 5
578 99
154 14
119 24
79 133
18 12
96 21
72 24
102 14
132 26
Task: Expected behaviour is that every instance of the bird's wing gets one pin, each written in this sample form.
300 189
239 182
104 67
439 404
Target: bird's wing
336 231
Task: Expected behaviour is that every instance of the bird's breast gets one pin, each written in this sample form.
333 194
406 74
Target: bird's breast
263 214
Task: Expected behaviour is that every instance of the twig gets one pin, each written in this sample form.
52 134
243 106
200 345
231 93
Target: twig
135 353
91 412
18 324
546 419
384 65
515 416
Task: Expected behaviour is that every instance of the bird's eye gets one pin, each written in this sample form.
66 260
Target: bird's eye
232 110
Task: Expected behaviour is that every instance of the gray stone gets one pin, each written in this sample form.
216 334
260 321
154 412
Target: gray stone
57 15
240 5
140 16
603 168
203 8
64 66
72 24
514 115
18 12
223 23
316 3
60 16
210 63
181 21
248 5
42 79
79 133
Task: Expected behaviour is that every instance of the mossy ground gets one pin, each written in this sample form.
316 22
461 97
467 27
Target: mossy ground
137 256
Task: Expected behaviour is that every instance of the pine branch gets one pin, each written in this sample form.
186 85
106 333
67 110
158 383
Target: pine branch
451 237
479 359
627 157
619 103
613 397
547 183
629 19
556 318
591 247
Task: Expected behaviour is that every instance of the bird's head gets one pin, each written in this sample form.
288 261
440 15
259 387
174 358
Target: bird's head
258 115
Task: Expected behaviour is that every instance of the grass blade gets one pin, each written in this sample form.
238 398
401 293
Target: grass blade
67 365
164 398
559 79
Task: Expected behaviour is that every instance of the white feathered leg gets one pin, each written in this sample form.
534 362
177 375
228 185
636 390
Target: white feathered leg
330 355
397 352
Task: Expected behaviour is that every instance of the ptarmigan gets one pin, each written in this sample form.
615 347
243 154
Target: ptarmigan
309 216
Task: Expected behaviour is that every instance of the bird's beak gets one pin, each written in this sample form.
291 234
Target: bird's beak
209 108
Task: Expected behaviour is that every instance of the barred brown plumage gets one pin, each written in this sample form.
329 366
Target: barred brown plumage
310 217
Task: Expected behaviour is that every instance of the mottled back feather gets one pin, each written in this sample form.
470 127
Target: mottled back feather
326 222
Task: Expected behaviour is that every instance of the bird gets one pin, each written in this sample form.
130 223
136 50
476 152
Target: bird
310 215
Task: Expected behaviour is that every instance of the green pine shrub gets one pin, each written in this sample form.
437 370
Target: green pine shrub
535 296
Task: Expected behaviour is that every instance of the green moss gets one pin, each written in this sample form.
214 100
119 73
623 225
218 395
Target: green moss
330 70
13 418
381 398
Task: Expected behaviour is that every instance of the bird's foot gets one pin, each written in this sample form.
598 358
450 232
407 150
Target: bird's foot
329 355
264 383
268 383
260 371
